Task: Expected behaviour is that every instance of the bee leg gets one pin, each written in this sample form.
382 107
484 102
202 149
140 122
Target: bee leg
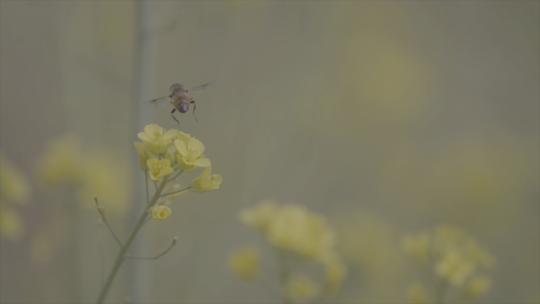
174 117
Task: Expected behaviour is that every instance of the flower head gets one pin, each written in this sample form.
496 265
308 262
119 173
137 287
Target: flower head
301 289
158 168
63 163
245 263
156 139
456 257
161 212
207 181
477 286
190 153
13 187
292 228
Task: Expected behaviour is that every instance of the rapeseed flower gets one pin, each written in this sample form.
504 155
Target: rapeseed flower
207 181
245 263
161 212
301 289
13 189
457 260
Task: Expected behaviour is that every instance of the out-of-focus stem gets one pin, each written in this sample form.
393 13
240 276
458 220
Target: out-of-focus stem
121 257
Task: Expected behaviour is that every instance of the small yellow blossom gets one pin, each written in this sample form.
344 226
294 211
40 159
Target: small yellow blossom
293 228
296 229
455 268
417 246
245 263
301 289
207 181
259 217
335 273
63 163
417 294
161 212
156 139
457 258
158 168
13 187
477 286
11 225
190 153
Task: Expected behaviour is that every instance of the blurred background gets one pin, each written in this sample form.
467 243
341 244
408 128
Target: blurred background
387 117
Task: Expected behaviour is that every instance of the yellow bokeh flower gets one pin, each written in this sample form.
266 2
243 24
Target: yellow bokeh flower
301 289
158 168
297 230
245 263
11 225
13 187
417 246
456 257
161 212
335 272
62 163
293 228
260 216
477 286
418 294
190 153
207 181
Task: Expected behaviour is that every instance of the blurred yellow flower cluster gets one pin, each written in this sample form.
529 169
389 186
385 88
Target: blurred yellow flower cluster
165 154
13 189
295 232
65 164
457 260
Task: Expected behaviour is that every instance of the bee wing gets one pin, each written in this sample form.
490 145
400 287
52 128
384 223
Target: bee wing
158 99
201 86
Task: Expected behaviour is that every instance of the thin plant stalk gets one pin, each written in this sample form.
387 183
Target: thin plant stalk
122 254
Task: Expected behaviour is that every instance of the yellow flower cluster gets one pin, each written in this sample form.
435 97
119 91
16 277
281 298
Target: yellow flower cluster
65 164
456 258
292 229
13 189
165 154
160 151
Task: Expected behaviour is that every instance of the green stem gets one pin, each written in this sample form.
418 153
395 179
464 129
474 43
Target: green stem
121 257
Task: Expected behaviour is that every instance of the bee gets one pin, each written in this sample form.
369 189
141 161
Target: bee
181 99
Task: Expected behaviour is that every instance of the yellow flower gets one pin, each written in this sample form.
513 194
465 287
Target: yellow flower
161 212
335 272
297 230
107 177
301 289
207 181
158 168
417 245
63 163
261 216
417 294
457 257
13 187
156 139
455 268
10 223
245 263
142 153
293 228
190 153
477 286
